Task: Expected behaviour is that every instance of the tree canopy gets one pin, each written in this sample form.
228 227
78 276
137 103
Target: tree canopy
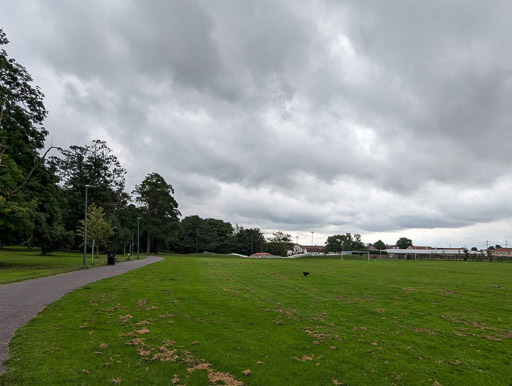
346 242
98 229
28 194
279 243
159 208
403 243
95 165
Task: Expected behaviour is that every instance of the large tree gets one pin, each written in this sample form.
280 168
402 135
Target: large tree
204 235
48 232
247 241
346 242
95 165
380 245
159 208
27 186
279 243
334 243
403 243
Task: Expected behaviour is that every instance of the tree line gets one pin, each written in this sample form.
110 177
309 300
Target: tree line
42 198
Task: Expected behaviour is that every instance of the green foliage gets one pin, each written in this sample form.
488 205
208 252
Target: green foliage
379 245
16 218
356 322
199 235
403 243
95 165
247 241
159 209
215 236
27 186
334 243
98 229
195 234
346 242
279 243
125 223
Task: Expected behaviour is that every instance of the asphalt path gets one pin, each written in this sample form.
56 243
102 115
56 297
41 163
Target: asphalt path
21 301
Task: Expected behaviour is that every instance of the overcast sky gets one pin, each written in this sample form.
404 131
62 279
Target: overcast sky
384 118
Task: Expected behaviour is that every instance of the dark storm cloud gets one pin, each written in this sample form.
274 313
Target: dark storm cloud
383 116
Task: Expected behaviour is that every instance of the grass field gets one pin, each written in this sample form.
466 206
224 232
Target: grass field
201 320
17 263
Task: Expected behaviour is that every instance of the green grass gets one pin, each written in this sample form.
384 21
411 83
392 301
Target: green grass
334 257
356 322
18 263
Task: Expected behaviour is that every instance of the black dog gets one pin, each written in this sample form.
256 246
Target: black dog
305 273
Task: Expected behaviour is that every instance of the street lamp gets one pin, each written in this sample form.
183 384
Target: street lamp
312 233
138 238
85 223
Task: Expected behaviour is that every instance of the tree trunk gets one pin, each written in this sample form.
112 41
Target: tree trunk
148 243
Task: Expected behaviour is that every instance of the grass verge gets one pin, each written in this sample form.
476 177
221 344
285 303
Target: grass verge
17 264
198 320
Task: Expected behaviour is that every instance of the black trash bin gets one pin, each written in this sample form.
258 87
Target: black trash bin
111 259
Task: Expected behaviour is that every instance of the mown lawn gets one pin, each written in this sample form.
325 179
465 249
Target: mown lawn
200 320
17 263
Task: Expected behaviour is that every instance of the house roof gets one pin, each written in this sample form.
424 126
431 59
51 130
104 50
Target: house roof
504 250
260 254
313 248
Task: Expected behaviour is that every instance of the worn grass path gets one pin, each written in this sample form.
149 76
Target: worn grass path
21 301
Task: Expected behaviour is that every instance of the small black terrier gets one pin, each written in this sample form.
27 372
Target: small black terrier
305 273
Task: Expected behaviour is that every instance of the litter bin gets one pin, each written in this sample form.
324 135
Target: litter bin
111 259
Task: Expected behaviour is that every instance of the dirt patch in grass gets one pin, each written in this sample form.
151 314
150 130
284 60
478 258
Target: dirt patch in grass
304 358
166 354
125 318
426 330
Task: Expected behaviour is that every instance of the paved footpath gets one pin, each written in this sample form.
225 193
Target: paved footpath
21 301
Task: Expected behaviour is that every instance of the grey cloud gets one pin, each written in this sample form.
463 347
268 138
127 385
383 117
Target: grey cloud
344 114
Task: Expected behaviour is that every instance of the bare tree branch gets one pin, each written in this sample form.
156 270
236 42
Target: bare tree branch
37 163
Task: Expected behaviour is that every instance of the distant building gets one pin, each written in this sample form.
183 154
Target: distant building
296 249
305 249
502 252
312 249
419 252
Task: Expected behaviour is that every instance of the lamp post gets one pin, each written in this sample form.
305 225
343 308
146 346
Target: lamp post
138 238
312 233
85 224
